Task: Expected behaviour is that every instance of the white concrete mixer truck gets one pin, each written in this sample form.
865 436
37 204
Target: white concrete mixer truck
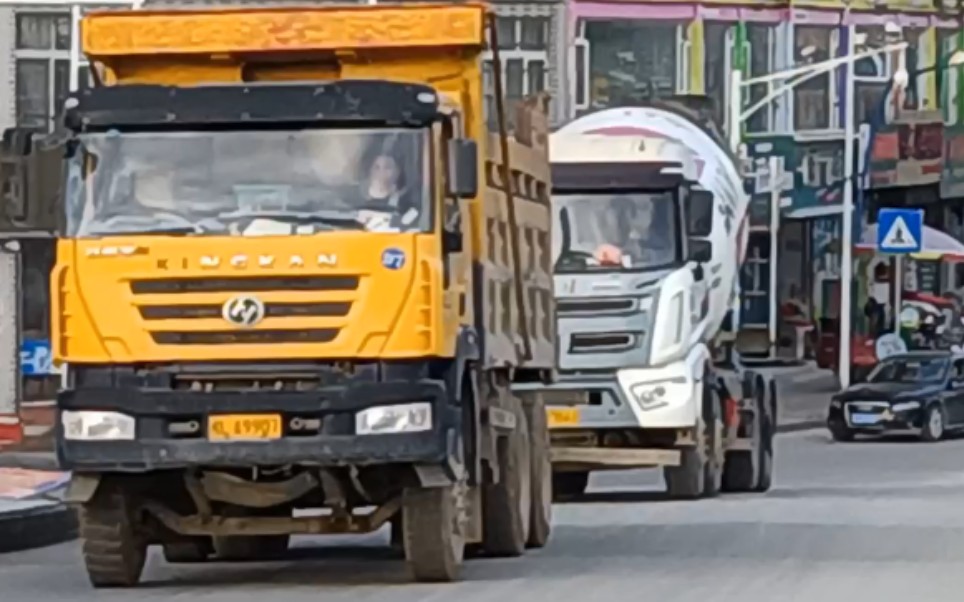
650 233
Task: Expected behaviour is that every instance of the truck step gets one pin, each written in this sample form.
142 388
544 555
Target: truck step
622 457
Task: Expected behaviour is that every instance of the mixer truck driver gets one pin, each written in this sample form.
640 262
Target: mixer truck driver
637 230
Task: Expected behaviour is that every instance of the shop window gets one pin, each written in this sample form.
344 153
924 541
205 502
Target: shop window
632 61
760 50
814 100
717 68
524 50
42 69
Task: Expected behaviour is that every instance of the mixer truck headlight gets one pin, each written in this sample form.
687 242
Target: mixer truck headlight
403 418
97 426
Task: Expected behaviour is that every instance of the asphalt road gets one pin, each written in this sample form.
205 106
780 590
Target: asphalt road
874 521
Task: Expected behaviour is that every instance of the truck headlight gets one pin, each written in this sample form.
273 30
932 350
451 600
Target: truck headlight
97 426
403 418
654 395
904 406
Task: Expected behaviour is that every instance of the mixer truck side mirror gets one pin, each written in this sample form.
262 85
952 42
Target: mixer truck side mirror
699 213
463 163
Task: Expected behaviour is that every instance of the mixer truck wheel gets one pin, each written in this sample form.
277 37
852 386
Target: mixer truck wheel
688 480
433 532
507 505
113 547
742 470
540 521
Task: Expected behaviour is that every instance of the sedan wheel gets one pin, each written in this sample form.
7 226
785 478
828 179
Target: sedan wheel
933 427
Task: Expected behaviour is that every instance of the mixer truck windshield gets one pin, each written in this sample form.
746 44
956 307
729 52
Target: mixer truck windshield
248 182
624 231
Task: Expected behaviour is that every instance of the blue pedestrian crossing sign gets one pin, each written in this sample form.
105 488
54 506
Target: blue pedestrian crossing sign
900 230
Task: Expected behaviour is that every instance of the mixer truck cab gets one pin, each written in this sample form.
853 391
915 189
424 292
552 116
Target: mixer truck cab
645 258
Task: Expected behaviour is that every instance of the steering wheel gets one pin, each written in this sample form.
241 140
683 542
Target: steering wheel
180 221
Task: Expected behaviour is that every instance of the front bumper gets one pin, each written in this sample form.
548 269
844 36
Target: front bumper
876 417
335 443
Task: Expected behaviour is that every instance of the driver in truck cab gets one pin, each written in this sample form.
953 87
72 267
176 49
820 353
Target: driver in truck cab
634 233
386 186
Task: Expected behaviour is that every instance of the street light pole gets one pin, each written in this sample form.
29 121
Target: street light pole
846 222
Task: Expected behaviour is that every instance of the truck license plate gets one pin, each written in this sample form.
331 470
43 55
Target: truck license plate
562 416
244 427
864 418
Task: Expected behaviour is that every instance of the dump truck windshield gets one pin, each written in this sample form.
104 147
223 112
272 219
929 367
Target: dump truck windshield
247 183
636 231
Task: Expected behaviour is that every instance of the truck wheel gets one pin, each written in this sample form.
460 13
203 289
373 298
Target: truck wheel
195 549
569 484
713 437
433 526
765 470
688 480
507 505
540 520
396 538
113 547
742 467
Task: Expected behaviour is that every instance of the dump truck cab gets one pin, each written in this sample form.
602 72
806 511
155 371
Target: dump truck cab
279 286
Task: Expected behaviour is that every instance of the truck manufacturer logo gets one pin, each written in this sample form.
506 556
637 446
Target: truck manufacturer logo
393 259
243 311
209 262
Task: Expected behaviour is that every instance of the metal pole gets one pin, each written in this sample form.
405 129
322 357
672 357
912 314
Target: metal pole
776 189
898 283
734 135
76 14
847 218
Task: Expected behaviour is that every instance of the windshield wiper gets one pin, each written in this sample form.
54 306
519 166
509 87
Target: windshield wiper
328 218
174 231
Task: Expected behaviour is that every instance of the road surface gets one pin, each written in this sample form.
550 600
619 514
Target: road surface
872 521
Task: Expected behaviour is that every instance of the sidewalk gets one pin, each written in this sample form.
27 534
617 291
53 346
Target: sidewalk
31 513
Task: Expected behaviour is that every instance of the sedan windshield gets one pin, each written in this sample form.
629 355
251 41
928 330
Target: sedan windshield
626 231
909 370
248 183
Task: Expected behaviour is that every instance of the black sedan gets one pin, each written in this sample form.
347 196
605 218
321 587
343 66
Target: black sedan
919 392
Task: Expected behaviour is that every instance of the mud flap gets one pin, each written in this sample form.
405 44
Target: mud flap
82 488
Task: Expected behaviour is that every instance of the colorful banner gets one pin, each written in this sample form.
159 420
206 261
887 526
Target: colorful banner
908 152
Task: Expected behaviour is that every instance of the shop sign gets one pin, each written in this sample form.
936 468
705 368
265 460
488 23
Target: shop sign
952 178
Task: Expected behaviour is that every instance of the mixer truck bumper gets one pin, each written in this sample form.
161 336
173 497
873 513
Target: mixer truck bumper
137 430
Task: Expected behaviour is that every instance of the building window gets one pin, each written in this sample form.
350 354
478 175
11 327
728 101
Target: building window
815 99
524 50
632 61
760 42
717 67
42 68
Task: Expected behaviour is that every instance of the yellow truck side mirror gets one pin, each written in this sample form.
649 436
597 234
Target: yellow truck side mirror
463 177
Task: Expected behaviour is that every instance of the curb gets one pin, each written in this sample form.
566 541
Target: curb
37 527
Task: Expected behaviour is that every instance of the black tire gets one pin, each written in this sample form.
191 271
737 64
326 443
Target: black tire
741 472
507 504
540 520
840 431
765 466
193 550
433 526
396 538
114 548
566 485
251 548
688 480
934 426
714 435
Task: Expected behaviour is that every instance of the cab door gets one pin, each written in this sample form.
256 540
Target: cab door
954 398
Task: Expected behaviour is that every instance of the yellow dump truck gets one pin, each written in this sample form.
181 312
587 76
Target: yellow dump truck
299 272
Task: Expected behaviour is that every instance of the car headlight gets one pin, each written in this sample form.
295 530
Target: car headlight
403 418
904 406
97 426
